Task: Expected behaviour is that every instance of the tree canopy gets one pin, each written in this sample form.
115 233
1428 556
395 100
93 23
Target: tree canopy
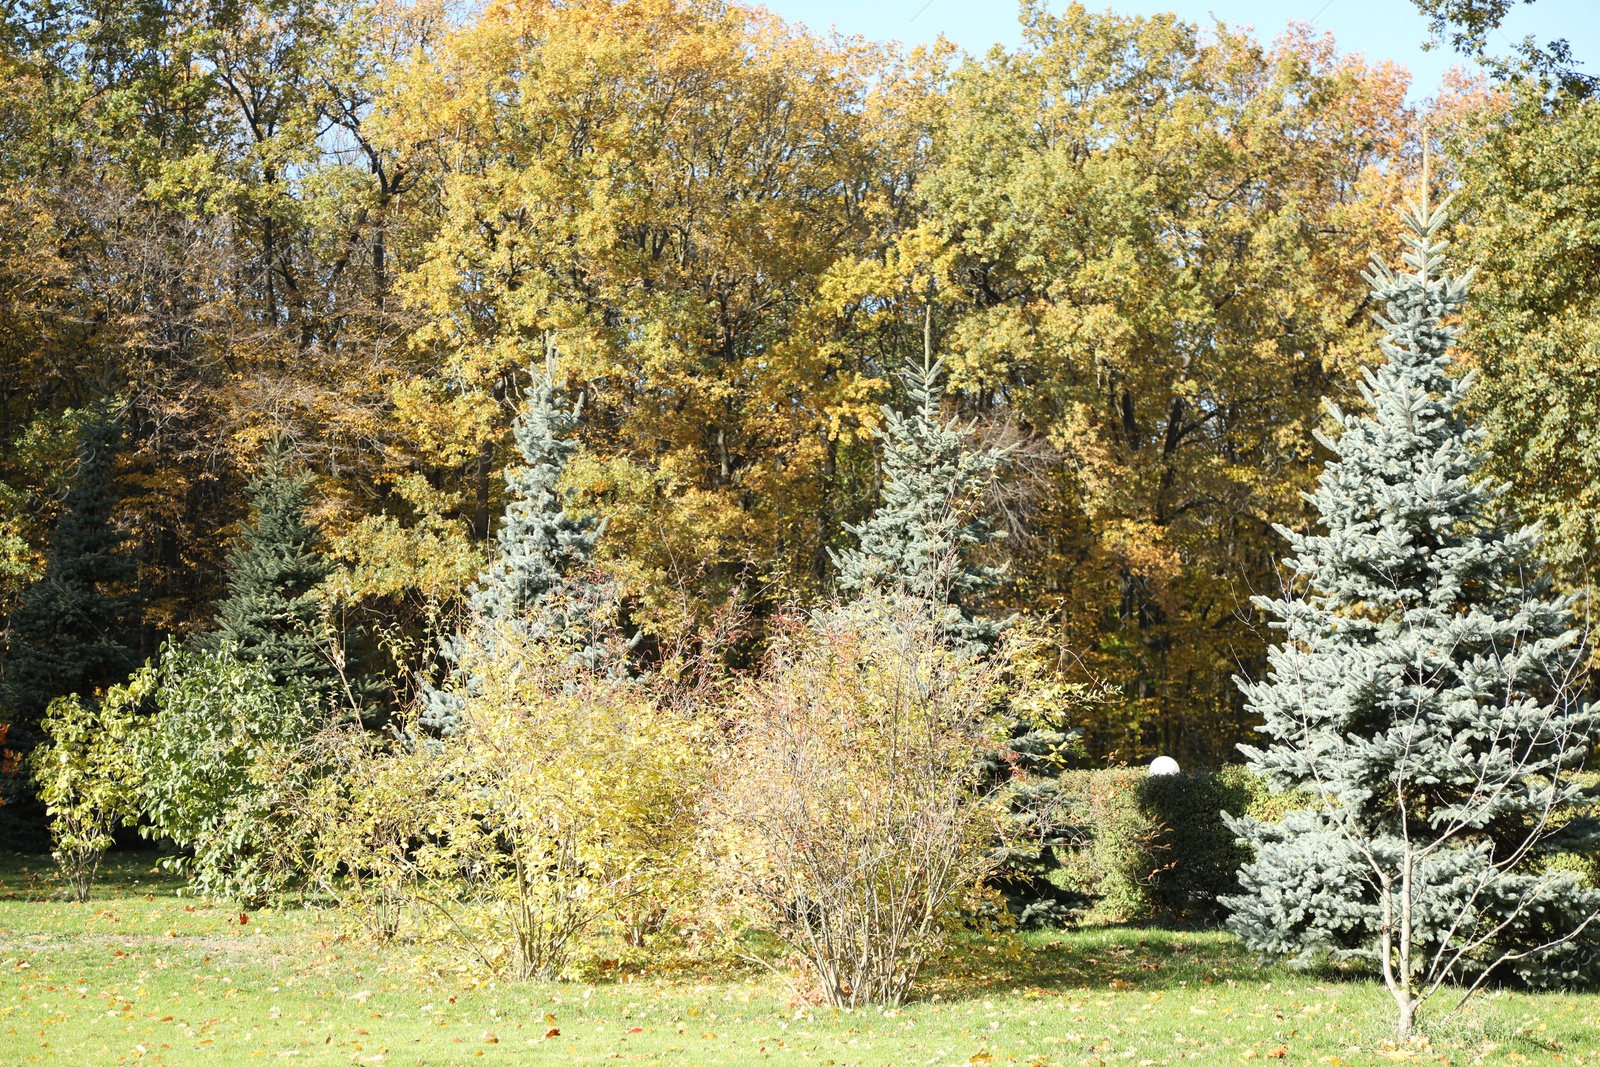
349 226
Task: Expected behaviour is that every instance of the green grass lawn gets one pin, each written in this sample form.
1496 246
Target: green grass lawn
141 975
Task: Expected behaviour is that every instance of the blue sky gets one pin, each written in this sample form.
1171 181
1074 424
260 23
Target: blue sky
1383 29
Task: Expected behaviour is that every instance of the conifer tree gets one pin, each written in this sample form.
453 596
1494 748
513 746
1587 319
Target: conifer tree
1423 697
539 542
535 582
919 543
74 630
920 539
270 615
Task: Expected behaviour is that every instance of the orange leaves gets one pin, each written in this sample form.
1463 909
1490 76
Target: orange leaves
10 758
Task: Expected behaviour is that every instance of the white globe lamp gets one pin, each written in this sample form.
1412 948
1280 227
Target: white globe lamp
1163 765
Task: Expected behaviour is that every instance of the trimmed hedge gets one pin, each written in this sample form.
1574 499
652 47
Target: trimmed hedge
1155 848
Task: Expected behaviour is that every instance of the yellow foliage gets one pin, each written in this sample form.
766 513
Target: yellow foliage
1151 264
567 797
655 188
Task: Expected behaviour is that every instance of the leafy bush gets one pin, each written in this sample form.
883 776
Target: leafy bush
854 815
362 803
567 795
87 777
214 765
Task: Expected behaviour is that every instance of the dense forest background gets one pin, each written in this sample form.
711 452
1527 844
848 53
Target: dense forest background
341 233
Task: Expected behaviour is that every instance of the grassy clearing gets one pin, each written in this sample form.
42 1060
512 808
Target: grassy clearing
142 976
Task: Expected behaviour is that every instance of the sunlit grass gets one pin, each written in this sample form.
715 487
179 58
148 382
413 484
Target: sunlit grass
140 975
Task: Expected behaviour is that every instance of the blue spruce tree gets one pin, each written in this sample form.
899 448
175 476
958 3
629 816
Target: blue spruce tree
537 582
920 540
920 543
539 542
1422 699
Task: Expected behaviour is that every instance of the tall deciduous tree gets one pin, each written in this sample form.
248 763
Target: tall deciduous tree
1426 697
1146 238
1529 170
661 186
1468 25
347 224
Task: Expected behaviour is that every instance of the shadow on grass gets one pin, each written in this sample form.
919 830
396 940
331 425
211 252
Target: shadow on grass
30 877
1109 957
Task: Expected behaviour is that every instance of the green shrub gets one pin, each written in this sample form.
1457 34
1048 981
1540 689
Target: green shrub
1110 859
87 778
213 767
361 801
1155 848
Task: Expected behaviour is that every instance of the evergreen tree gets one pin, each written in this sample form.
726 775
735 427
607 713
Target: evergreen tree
1422 697
272 609
74 629
538 581
539 543
920 539
919 542
1035 802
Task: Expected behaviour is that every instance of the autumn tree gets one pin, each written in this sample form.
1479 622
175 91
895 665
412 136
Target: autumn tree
350 225
195 209
1529 169
658 187
1130 223
1467 26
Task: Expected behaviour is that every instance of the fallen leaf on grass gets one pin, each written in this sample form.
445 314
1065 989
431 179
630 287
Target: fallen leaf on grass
1278 1053
552 1032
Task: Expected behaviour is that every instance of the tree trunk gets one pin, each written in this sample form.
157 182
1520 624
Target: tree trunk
480 516
1407 1017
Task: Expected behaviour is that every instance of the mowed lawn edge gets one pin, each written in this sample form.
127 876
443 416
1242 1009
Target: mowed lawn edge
143 975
